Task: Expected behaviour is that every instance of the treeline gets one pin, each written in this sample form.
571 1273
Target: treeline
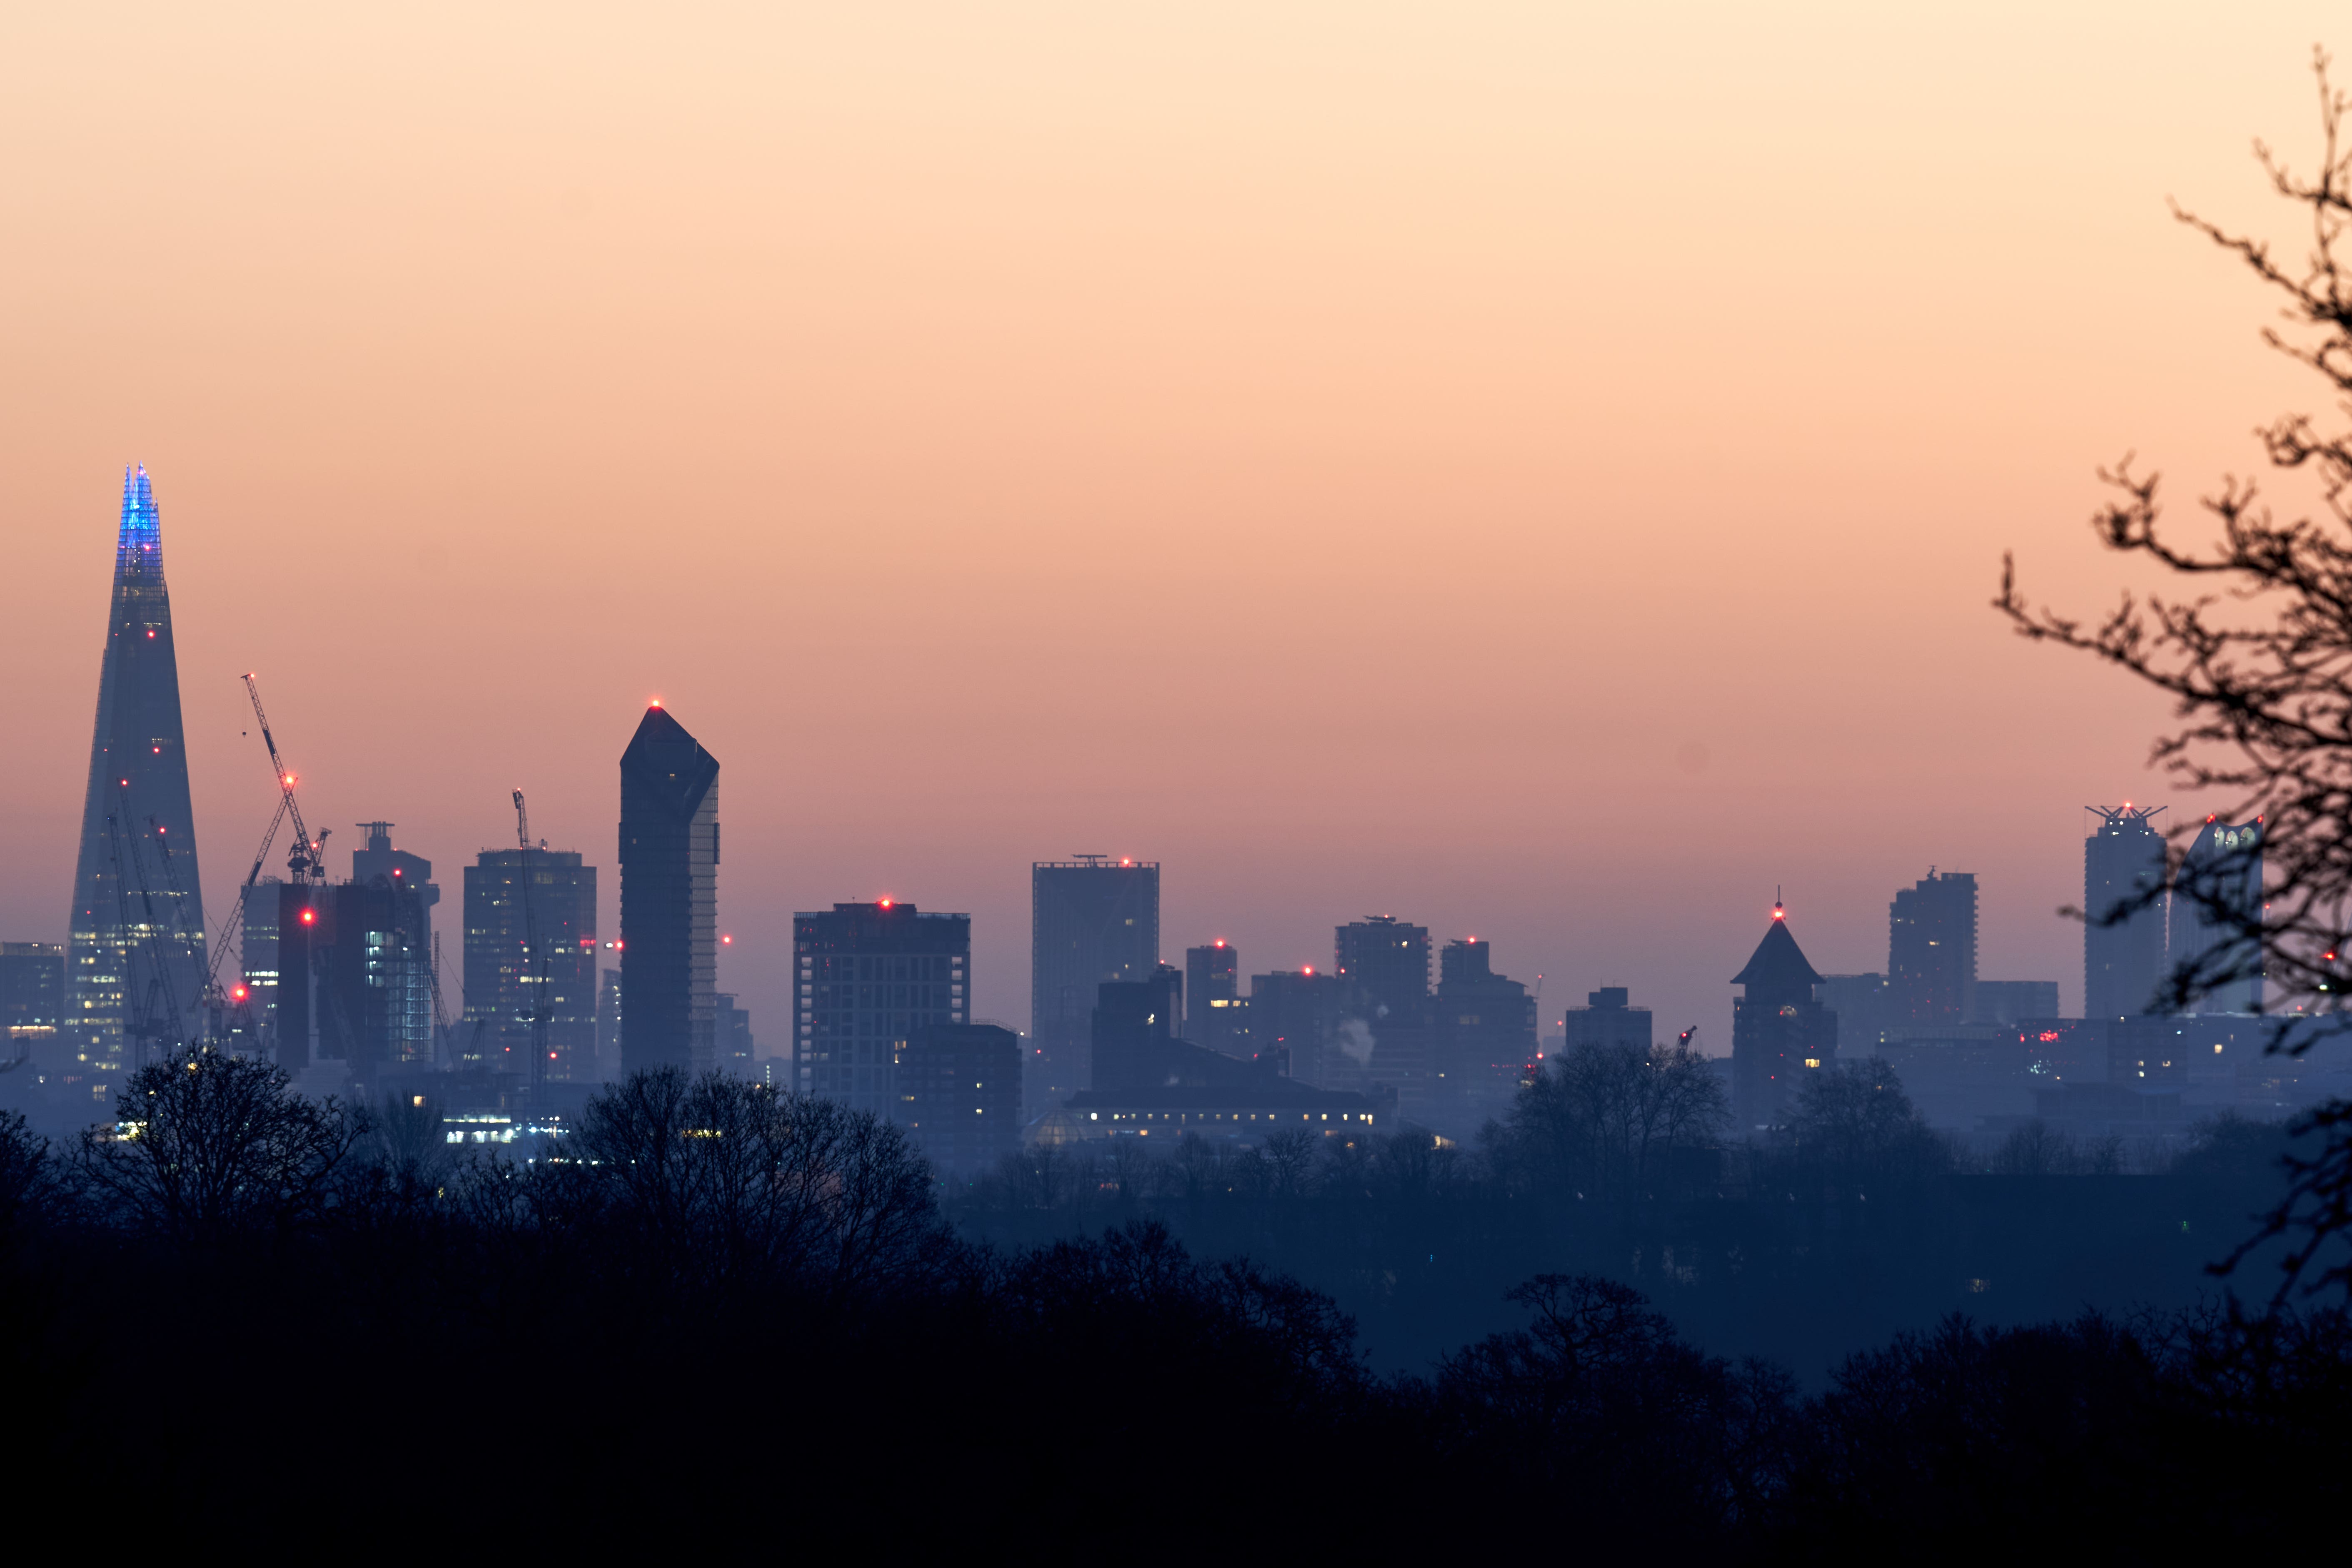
1853 1220
726 1316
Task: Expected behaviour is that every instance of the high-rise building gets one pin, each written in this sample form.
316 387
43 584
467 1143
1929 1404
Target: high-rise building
1386 962
959 1094
1295 1021
669 897
257 959
2007 1002
1213 1010
2124 913
2216 911
866 977
32 996
731 1028
1092 919
135 960
1608 1019
1779 1030
1863 1009
1487 1037
354 989
503 972
1931 951
608 1023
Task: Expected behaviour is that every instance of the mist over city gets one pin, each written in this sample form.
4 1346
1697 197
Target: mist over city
1023 778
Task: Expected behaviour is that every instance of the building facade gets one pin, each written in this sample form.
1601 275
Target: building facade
1931 951
959 1094
1214 1015
136 948
354 991
866 978
1608 1018
32 996
669 897
502 970
2124 938
1092 919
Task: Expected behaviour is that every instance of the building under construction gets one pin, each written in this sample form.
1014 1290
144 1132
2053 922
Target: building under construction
136 962
504 981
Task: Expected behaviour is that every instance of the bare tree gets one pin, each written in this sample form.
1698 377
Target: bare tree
2255 651
207 1146
1608 1120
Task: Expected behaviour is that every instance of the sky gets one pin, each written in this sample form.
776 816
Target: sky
1539 471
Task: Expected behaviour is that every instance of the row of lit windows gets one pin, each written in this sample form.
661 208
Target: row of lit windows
1363 1116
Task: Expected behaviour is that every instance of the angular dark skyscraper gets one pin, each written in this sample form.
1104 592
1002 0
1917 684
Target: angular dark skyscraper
669 897
136 957
1092 919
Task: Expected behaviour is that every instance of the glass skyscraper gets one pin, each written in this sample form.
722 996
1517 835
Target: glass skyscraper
136 955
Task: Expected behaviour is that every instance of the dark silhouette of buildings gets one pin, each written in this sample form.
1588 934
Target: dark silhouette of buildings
959 1094
378 858
669 897
1148 1079
2224 863
866 978
1608 1018
1092 919
2123 960
1931 951
1214 1015
503 972
608 1021
1486 1036
136 938
1864 1015
1778 1028
2011 1001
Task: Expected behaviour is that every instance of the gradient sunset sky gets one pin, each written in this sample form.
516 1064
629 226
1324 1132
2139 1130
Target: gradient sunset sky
1535 470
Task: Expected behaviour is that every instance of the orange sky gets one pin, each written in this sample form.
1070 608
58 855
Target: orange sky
1536 475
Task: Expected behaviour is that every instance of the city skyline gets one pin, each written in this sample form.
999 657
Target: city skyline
1247 437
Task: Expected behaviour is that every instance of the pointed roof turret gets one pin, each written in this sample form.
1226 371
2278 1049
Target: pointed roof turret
670 763
1777 971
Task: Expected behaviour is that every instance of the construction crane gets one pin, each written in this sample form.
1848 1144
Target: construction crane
540 1013
233 924
308 861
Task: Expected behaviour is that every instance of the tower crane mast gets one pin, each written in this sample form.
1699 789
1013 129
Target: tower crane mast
308 861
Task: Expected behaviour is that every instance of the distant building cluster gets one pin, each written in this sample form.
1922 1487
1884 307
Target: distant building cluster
344 983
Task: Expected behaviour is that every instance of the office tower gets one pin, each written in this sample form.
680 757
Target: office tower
1135 1027
1092 919
1931 951
669 897
1863 1009
396 866
1486 1037
1387 962
960 1094
1212 1012
257 962
32 996
1778 1031
135 961
1295 1018
1387 959
1607 1019
2122 876
2217 912
354 986
503 972
867 977
2007 1002
732 1029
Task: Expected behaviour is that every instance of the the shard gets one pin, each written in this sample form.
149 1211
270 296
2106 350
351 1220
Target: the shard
136 963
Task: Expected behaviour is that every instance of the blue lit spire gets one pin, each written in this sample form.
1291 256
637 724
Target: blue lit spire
140 546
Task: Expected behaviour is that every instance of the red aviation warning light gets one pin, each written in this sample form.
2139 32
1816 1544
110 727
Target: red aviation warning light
885 902
309 917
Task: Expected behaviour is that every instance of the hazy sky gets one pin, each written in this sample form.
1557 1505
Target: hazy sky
1535 470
